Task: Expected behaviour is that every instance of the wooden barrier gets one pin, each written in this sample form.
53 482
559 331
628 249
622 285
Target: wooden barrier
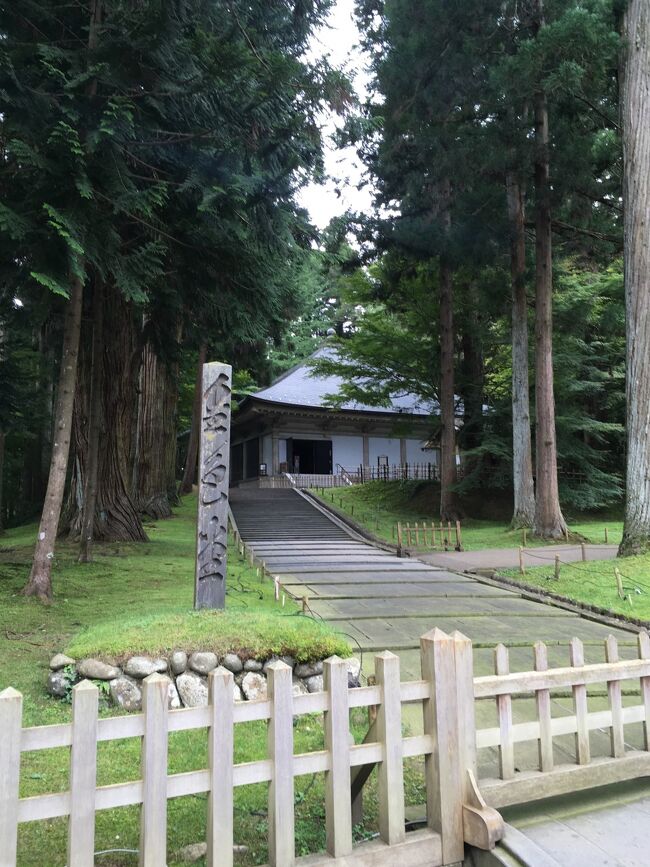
460 806
441 843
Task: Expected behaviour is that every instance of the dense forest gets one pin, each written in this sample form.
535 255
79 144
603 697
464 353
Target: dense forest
149 220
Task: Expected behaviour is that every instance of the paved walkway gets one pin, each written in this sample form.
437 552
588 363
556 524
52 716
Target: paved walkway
508 558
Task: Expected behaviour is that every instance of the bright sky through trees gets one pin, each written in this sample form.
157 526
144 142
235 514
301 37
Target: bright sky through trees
339 39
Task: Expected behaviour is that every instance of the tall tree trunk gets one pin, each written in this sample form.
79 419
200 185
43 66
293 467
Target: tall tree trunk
191 459
155 460
522 460
2 472
636 192
472 379
549 521
94 425
448 498
40 577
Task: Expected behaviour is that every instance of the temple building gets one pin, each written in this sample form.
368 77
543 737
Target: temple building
289 428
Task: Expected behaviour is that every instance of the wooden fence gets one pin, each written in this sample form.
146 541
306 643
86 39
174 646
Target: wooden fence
460 807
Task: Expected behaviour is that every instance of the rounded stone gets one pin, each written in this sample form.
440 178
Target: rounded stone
288 660
60 660
253 665
298 687
126 693
309 669
173 698
58 684
95 669
192 689
315 683
354 666
203 661
140 667
254 686
161 665
232 662
178 661
237 693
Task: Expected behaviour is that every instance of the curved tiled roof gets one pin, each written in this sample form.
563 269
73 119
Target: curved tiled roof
299 387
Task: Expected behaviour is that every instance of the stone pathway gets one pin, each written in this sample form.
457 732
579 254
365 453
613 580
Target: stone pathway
508 558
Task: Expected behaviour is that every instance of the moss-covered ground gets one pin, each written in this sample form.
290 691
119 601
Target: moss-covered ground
138 598
379 506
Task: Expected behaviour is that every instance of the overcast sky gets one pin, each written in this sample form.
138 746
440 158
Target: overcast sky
339 39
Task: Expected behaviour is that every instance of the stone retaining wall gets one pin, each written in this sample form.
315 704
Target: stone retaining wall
188 676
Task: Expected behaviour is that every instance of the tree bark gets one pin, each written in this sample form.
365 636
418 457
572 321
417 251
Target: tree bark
522 460
94 426
636 197
154 483
448 499
549 522
192 456
40 578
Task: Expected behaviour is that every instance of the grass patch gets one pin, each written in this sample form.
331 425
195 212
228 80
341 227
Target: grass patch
261 636
97 610
594 583
379 506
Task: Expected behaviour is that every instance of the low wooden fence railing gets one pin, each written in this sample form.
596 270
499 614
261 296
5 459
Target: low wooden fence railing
460 806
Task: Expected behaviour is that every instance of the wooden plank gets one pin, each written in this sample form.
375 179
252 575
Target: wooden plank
644 653
580 705
419 849
46 737
390 776
615 702
11 713
83 775
338 805
557 678
466 715
563 779
504 712
543 702
214 456
564 725
280 751
220 761
153 814
440 717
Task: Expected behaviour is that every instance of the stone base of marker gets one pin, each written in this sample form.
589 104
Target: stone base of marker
188 673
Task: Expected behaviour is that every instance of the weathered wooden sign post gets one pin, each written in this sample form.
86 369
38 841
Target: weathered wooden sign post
214 453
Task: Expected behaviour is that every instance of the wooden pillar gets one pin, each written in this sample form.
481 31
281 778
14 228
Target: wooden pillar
214 458
275 454
402 451
366 450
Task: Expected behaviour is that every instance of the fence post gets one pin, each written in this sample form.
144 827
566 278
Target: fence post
442 767
390 778
282 850
11 713
338 806
220 762
153 814
83 775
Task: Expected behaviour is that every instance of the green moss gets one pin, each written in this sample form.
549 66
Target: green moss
379 506
257 634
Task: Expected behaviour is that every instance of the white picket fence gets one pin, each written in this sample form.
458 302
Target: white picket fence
460 807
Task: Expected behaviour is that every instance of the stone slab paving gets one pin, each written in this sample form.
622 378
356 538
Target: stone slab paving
508 558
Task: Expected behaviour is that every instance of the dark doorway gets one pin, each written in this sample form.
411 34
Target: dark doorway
309 456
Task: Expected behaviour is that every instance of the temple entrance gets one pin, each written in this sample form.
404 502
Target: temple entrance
309 456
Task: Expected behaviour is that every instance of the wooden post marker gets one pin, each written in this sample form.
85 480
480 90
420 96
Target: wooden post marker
399 539
606 535
577 659
523 536
619 582
522 568
583 552
338 804
280 752
390 773
214 455
459 537
557 568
